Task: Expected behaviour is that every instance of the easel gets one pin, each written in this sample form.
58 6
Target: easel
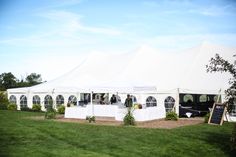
226 106
217 114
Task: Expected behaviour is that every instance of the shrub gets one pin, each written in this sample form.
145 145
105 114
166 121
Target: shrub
3 106
171 116
36 108
24 108
50 112
233 138
3 101
206 117
12 107
61 109
90 118
129 118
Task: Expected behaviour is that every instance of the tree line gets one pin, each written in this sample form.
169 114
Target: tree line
8 80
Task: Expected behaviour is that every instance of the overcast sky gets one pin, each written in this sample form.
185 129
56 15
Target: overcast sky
50 37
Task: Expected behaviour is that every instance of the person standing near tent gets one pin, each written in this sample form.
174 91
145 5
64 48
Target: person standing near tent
113 99
128 101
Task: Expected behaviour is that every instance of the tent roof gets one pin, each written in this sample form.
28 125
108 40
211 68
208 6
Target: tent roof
145 70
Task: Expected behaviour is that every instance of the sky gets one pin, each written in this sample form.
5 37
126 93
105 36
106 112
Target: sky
51 37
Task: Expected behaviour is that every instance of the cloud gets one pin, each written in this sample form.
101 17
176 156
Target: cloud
214 10
185 41
192 7
65 29
150 3
59 4
60 15
49 65
71 23
99 30
50 39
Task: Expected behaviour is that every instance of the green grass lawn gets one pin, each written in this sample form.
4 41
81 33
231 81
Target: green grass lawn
21 136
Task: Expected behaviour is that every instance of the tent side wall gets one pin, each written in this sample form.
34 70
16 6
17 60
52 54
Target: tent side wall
141 99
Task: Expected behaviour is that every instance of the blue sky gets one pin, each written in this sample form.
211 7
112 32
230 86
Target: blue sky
52 36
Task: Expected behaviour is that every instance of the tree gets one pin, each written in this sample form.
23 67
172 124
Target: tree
7 80
3 101
22 83
218 64
33 79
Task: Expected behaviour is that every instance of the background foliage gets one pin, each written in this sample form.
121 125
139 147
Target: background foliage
8 80
219 64
3 101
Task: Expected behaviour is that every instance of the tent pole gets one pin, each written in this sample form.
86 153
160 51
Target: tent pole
91 100
218 97
53 102
176 106
78 98
28 99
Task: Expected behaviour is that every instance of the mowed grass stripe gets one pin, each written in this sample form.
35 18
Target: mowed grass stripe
22 136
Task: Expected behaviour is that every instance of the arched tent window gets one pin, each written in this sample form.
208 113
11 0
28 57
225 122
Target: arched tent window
23 101
105 98
85 98
203 98
59 100
151 101
169 103
72 100
12 99
48 101
188 98
36 100
134 99
97 96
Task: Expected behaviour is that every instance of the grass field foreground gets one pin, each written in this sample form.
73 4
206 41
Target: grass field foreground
22 136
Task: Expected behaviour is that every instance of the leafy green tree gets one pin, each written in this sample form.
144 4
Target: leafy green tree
3 101
22 83
218 64
7 80
33 79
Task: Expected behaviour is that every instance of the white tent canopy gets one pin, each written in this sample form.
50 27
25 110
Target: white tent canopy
145 70
154 78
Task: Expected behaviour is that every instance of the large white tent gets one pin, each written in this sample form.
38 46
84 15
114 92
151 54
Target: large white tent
144 72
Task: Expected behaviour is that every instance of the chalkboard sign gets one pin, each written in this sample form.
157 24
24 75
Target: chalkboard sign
217 114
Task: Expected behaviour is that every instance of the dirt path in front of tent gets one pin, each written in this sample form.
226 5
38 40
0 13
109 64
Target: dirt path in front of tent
168 124
160 123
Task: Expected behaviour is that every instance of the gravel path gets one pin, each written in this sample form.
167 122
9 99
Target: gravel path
167 124
161 123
